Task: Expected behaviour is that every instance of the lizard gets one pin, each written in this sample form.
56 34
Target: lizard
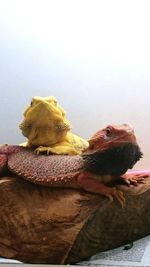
47 129
111 152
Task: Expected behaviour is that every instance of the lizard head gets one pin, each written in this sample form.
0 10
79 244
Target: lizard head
112 150
44 122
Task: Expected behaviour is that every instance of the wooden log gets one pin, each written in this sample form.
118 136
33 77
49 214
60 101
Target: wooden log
62 226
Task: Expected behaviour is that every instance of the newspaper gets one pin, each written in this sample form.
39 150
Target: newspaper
138 254
4 260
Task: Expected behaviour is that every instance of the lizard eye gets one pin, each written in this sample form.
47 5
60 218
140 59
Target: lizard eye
108 131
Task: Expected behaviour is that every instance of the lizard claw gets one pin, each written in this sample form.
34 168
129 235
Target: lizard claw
42 149
116 193
57 150
134 180
37 150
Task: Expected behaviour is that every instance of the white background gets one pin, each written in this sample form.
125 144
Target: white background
94 56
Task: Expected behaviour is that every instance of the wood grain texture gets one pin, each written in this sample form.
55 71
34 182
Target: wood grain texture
59 226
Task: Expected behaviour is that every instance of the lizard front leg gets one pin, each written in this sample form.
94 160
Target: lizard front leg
87 181
135 177
58 150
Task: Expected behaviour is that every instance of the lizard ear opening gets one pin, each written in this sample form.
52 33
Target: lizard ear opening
90 149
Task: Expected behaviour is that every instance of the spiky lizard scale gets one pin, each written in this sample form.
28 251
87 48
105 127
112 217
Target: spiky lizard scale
44 169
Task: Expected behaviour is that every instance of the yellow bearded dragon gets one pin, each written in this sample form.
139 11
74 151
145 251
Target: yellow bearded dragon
47 129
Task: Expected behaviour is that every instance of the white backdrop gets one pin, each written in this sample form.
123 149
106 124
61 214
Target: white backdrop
94 56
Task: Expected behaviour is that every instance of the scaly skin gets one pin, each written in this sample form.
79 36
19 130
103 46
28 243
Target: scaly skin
111 152
135 177
48 130
5 151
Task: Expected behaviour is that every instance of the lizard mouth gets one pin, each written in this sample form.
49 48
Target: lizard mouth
114 161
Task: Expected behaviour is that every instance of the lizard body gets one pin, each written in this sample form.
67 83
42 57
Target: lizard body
111 152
